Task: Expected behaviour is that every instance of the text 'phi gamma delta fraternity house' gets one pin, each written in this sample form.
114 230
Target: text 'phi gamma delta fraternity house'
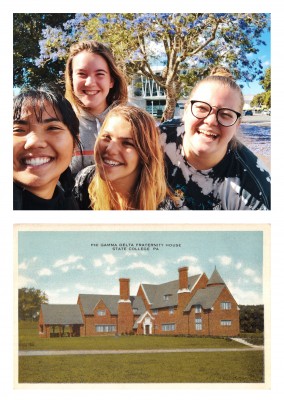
191 305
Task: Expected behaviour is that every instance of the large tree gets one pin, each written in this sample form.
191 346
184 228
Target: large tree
27 32
29 302
188 45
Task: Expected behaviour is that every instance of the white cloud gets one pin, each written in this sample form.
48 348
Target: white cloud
24 281
156 270
97 262
224 260
131 254
45 272
109 258
245 297
70 260
80 267
249 272
239 265
84 288
65 269
194 270
23 265
111 271
189 259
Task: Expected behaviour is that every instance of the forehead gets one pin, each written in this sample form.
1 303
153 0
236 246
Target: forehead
118 126
217 94
85 59
39 110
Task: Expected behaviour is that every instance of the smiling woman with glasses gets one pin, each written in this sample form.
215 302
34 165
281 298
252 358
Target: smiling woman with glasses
205 162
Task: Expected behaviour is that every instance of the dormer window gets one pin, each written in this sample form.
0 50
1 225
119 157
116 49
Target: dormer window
167 297
198 309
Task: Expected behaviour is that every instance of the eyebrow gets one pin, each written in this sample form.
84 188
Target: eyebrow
45 121
120 138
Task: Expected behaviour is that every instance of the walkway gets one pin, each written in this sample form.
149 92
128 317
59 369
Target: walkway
99 352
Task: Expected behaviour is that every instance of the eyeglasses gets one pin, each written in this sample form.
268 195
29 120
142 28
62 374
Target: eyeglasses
225 116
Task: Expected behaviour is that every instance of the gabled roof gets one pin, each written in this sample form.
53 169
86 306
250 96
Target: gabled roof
205 297
89 302
215 279
61 314
156 293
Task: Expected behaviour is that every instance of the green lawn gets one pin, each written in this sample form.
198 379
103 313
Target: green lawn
30 340
229 367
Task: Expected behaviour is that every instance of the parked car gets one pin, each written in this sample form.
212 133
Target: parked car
266 112
248 112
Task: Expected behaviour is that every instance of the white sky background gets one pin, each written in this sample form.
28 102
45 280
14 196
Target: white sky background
9 218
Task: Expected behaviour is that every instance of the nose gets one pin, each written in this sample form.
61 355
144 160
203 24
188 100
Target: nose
89 81
212 118
112 147
35 139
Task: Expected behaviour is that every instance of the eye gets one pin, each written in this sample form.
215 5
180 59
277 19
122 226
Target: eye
226 114
106 138
18 130
128 143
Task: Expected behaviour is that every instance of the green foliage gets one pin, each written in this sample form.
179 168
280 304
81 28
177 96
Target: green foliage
252 318
263 99
29 302
27 32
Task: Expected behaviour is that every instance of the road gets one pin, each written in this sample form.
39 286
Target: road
263 120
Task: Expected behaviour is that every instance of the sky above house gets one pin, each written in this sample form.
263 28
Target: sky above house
65 264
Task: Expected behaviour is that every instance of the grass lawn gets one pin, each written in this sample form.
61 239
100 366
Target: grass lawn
231 367
214 367
30 340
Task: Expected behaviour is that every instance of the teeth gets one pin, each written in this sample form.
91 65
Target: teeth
88 92
208 133
112 163
37 161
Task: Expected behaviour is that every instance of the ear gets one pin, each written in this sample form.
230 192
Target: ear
111 85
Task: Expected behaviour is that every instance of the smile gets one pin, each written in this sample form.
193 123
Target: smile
208 134
112 163
37 161
91 92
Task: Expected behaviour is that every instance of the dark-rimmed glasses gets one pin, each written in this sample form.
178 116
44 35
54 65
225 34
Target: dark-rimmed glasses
225 116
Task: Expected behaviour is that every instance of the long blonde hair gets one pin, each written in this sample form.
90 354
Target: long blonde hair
151 187
118 93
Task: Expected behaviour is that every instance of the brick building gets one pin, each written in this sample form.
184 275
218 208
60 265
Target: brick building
190 305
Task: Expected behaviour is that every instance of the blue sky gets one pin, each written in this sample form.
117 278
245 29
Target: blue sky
264 55
64 264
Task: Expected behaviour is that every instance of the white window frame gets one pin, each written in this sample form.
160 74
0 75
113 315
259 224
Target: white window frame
226 305
168 327
226 322
198 324
105 328
171 310
101 313
198 309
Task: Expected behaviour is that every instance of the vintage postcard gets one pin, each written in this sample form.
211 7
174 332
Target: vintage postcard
127 304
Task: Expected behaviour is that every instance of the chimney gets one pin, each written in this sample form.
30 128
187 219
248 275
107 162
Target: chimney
124 289
183 278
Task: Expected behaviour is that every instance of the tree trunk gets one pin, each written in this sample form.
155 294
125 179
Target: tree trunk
171 100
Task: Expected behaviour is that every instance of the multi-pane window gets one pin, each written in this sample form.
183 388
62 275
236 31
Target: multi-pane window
101 312
105 328
171 310
166 297
226 305
168 327
198 309
155 311
198 324
226 322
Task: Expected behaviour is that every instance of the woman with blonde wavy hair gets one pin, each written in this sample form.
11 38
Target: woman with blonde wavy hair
129 167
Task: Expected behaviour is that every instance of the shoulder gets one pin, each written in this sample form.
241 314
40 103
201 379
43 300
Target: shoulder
172 129
85 175
17 197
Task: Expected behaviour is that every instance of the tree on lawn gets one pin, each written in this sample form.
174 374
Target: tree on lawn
187 45
29 302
